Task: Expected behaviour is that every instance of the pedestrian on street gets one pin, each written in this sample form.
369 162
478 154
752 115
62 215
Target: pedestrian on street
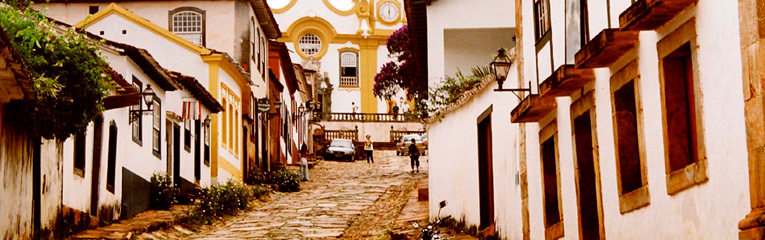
414 155
304 162
369 149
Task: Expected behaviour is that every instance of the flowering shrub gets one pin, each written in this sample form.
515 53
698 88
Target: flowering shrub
287 180
400 73
162 191
220 200
256 177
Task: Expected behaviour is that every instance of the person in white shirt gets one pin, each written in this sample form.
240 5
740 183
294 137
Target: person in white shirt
369 149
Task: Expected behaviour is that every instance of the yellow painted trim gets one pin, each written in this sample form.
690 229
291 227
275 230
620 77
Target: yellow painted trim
368 68
230 168
227 67
348 49
214 131
116 9
358 39
341 12
381 36
395 21
231 93
313 25
285 8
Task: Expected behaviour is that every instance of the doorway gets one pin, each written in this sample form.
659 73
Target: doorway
98 125
485 172
245 157
177 155
197 151
590 209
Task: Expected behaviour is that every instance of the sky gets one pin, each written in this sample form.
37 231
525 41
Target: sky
342 5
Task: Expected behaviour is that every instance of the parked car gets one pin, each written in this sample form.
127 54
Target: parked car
402 147
341 149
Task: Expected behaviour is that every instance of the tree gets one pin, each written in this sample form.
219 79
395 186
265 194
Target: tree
400 73
69 78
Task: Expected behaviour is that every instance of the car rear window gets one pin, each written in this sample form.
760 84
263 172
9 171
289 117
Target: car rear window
409 138
340 144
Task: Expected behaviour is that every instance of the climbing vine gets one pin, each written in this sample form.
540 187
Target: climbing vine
67 73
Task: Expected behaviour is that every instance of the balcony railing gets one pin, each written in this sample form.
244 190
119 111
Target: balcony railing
352 135
366 117
349 82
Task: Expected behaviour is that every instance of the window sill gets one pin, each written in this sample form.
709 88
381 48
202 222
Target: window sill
354 87
187 148
544 39
157 154
110 188
79 172
555 231
634 200
138 141
691 175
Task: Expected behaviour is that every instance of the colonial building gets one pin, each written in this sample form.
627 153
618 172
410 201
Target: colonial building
240 40
634 127
347 39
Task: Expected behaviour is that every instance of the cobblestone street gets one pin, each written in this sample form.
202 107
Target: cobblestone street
343 199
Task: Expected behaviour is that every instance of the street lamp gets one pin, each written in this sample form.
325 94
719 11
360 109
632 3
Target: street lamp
148 97
500 67
299 113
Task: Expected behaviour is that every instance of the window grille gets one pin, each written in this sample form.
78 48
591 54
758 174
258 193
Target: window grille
188 25
309 44
348 59
348 69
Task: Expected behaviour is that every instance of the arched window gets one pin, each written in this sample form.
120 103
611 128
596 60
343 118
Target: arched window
223 118
188 23
309 44
231 127
349 62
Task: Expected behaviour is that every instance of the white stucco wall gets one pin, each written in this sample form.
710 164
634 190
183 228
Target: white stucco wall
709 210
218 29
463 14
453 162
141 161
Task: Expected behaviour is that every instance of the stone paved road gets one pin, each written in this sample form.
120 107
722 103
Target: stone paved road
338 193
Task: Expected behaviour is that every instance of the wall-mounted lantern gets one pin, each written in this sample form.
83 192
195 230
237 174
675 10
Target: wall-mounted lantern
500 67
148 97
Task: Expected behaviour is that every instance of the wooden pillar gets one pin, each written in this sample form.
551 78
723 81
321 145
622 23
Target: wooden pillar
752 30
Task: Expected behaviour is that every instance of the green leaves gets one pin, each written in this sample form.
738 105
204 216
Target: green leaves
452 88
67 73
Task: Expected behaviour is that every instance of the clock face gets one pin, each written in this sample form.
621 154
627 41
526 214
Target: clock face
389 11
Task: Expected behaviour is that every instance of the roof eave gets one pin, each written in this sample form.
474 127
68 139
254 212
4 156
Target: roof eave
266 19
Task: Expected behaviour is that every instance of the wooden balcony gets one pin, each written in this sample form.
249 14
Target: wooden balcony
565 81
349 82
605 48
366 117
651 14
532 108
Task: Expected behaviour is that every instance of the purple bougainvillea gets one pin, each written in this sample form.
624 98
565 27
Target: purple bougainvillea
400 73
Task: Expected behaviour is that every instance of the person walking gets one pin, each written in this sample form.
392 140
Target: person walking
414 155
369 149
304 163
